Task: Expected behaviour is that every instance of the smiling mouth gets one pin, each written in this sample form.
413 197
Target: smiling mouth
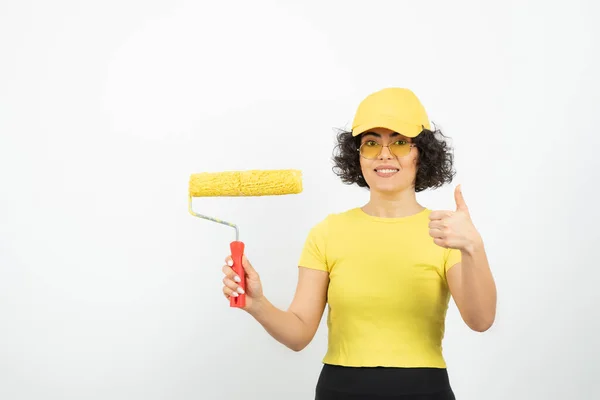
386 172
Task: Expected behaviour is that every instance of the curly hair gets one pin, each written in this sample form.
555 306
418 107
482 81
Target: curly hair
434 163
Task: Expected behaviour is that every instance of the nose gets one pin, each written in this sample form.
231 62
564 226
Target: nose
385 153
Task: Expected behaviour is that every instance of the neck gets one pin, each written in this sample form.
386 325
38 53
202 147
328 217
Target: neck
393 205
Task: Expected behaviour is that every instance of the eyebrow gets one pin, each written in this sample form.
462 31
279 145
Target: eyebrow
395 134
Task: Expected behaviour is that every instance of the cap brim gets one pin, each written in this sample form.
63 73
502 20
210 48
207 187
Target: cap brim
408 130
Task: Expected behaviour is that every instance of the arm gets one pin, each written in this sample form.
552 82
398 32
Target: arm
296 327
470 281
472 286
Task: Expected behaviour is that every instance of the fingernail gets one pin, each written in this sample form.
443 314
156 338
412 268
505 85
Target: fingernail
240 290
230 263
234 294
237 278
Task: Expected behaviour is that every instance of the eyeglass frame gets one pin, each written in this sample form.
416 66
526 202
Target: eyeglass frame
411 145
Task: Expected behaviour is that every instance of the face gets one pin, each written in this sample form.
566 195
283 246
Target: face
387 172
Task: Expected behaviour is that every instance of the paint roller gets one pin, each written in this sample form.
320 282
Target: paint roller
241 184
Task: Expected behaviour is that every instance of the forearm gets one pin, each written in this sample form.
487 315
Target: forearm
478 288
284 326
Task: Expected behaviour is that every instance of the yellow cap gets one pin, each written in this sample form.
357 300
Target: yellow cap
397 109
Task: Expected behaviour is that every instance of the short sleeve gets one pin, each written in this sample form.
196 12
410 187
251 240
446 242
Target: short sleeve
313 254
452 257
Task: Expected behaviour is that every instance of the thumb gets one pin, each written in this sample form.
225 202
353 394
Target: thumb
250 271
461 205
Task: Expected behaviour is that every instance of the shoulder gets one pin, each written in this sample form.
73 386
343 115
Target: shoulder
330 225
335 219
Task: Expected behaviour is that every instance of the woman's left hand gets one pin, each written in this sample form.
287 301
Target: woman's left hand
454 229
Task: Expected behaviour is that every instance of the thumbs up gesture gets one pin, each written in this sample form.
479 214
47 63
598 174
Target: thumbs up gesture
454 229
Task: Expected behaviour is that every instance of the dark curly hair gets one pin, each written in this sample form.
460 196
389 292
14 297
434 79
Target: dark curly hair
434 163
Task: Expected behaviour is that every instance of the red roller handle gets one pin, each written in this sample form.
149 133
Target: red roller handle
237 251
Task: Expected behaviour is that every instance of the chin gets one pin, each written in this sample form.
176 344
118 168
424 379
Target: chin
387 187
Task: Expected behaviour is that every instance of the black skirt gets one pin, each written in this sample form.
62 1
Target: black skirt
382 383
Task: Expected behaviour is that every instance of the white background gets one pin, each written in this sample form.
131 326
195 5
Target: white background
109 289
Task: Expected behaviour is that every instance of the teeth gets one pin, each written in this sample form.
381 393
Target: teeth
387 171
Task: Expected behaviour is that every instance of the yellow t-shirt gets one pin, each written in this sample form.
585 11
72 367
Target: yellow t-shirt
388 295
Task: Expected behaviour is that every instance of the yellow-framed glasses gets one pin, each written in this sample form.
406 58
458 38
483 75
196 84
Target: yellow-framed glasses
371 149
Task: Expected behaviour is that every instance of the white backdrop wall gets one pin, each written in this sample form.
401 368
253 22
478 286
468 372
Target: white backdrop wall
109 289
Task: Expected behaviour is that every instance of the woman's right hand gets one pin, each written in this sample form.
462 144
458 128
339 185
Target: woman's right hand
231 287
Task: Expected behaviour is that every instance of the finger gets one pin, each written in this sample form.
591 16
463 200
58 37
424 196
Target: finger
232 285
229 272
437 215
246 265
250 271
436 233
437 224
229 292
440 242
461 205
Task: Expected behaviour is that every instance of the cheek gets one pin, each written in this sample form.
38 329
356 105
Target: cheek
364 166
409 163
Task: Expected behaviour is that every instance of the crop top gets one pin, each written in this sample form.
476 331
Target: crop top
388 295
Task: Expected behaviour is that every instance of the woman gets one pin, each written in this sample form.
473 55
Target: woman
386 269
